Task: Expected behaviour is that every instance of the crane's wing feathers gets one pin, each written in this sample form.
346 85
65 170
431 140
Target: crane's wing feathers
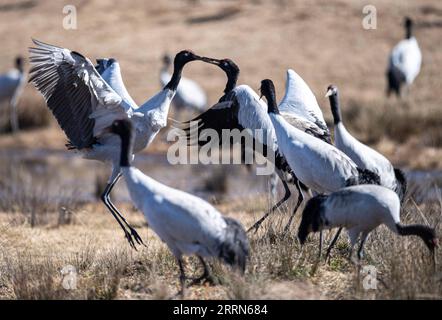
239 109
110 71
307 126
300 102
218 117
79 98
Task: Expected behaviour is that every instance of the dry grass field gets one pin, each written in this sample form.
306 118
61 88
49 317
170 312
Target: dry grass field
45 226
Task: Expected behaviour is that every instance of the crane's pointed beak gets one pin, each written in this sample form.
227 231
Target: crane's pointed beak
329 93
210 60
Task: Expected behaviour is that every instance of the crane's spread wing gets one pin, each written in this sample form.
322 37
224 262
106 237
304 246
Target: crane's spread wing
240 109
220 116
81 101
110 71
300 101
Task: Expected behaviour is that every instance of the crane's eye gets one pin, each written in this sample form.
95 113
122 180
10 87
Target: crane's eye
226 64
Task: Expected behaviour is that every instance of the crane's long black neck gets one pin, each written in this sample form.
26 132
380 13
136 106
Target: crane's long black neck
271 102
408 31
126 149
424 232
232 79
19 65
335 108
312 217
176 77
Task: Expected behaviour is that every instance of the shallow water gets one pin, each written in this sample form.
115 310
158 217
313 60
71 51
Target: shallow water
74 174
67 173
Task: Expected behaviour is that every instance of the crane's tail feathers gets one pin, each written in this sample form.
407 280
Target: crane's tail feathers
365 177
394 81
401 186
235 249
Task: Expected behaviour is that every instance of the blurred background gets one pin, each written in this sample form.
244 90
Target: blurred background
323 41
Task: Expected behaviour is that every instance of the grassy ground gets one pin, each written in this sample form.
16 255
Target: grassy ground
32 260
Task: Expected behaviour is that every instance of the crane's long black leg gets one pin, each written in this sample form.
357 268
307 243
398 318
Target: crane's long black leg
361 246
106 199
205 275
287 194
182 277
332 244
320 245
133 232
300 199
107 204
13 117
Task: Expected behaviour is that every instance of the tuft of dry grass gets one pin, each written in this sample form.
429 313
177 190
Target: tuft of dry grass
33 198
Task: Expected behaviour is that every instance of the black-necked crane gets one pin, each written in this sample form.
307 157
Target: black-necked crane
364 156
317 164
189 94
360 210
241 108
404 62
187 224
12 84
84 104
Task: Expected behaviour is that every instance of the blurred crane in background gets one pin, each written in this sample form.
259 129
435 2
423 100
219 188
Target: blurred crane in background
12 84
404 62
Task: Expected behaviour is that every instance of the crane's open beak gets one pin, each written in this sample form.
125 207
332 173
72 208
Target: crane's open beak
210 60
329 93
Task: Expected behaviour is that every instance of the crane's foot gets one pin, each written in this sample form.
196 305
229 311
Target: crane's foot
256 225
136 236
328 257
286 231
205 278
130 239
